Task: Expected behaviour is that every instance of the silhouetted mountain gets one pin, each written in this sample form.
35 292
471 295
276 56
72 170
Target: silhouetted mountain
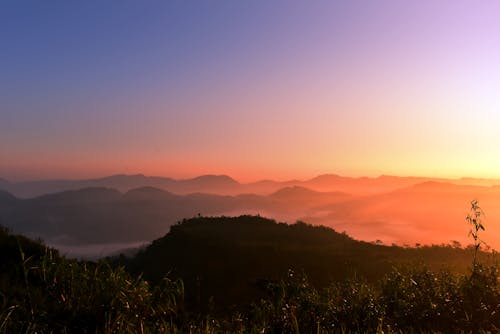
85 195
4 184
103 215
428 212
211 181
305 195
293 192
7 202
225 185
6 197
228 257
269 186
124 183
361 185
148 194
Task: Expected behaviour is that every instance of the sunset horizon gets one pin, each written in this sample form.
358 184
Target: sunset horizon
185 89
279 177
249 166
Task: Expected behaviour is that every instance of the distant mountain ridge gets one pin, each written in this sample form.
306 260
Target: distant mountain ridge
225 185
105 215
123 183
430 211
129 209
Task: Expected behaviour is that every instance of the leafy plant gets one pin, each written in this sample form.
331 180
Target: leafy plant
474 218
42 292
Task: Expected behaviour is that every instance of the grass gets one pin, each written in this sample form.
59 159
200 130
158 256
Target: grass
42 292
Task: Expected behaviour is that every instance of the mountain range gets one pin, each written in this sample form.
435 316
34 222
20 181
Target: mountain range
225 185
100 216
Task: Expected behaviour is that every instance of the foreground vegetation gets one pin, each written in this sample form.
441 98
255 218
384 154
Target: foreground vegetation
226 261
42 292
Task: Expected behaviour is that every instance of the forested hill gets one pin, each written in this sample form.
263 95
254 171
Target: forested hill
235 278
225 259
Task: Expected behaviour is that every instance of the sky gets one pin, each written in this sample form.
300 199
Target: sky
253 89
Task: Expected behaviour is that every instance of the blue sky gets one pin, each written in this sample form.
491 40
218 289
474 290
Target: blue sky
249 88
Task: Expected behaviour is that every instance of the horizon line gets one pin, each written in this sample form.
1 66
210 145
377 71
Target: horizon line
293 179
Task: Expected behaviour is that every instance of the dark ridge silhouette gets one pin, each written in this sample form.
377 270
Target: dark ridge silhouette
6 197
426 213
4 184
212 180
302 194
102 215
295 191
148 194
328 178
225 185
226 258
124 183
269 186
248 272
84 195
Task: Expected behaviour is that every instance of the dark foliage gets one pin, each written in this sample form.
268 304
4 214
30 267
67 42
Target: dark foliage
225 259
43 292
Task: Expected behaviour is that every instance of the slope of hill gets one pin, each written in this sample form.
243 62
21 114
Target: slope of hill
6 198
228 257
4 184
10 255
301 195
237 279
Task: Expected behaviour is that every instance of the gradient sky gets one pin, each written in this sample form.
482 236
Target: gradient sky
253 89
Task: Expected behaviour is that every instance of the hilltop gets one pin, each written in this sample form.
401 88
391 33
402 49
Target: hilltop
247 273
430 212
225 259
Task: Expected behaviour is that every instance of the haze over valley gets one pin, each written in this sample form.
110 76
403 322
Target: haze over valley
98 217
245 166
